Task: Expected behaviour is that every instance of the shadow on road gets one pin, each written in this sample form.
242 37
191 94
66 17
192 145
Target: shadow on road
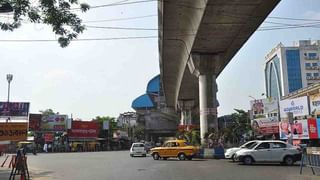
40 174
268 164
185 160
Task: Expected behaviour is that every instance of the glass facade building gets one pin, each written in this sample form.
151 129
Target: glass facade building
294 70
289 69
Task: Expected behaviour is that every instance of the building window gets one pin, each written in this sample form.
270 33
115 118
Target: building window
308 65
314 64
312 55
308 74
316 74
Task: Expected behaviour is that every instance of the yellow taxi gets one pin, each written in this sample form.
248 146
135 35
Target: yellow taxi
174 148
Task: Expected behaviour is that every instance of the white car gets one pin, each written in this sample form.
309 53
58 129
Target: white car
269 151
138 149
229 154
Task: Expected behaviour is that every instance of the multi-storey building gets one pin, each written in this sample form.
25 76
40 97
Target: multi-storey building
291 68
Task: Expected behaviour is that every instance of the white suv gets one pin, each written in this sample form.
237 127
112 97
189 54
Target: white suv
138 149
269 151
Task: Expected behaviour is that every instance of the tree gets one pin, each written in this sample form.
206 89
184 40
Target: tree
47 112
57 14
112 125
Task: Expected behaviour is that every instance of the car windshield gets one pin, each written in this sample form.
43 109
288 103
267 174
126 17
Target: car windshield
138 145
246 145
252 145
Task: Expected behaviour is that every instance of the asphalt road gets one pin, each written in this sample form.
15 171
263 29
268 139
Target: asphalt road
118 165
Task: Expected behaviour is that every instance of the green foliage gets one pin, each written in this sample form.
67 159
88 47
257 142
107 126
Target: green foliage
55 13
191 136
47 112
139 132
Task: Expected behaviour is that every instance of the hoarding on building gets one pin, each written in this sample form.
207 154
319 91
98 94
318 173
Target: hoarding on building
53 123
315 104
264 106
298 130
34 122
298 106
18 110
13 131
312 127
83 129
265 126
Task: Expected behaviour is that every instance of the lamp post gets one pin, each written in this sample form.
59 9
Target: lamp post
9 79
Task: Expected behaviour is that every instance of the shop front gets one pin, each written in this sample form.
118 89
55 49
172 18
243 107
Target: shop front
83 136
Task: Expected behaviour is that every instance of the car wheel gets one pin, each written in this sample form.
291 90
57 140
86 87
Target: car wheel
247 160
182 156
144 155
233 158
131 155
288 160
155 156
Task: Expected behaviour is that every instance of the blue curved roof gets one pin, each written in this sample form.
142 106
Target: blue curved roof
143 101
154 85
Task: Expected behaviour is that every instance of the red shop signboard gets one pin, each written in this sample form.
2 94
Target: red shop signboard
48 137
83 129
312 126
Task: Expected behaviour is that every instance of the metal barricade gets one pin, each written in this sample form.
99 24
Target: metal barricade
19 166
310 158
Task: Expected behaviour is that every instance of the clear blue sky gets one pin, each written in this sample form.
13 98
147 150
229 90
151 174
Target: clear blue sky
103 77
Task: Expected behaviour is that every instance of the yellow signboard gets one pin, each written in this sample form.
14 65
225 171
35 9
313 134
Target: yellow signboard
13 131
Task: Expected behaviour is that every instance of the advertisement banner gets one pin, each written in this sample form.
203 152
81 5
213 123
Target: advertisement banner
299 129
83 129
34 122
298 106
264 106
315 104
54 123
284 129
48 137
265 126
13 131
312 126
18 110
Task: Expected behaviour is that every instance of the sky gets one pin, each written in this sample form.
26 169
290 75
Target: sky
102 78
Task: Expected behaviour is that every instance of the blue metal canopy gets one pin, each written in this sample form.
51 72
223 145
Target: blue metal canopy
143 101
154 85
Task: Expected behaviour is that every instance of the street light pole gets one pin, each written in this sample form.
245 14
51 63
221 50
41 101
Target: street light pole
9 79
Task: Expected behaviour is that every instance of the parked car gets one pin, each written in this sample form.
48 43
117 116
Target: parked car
138 149
269 151
229 154
174 148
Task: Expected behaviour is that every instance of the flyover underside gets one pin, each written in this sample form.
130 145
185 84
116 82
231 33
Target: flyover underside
215 27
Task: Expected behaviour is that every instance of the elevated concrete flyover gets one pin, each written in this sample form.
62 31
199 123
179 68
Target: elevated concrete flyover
197 39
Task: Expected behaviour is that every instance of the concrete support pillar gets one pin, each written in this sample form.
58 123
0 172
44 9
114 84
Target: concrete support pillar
203 66
186 118
207 103
186 111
